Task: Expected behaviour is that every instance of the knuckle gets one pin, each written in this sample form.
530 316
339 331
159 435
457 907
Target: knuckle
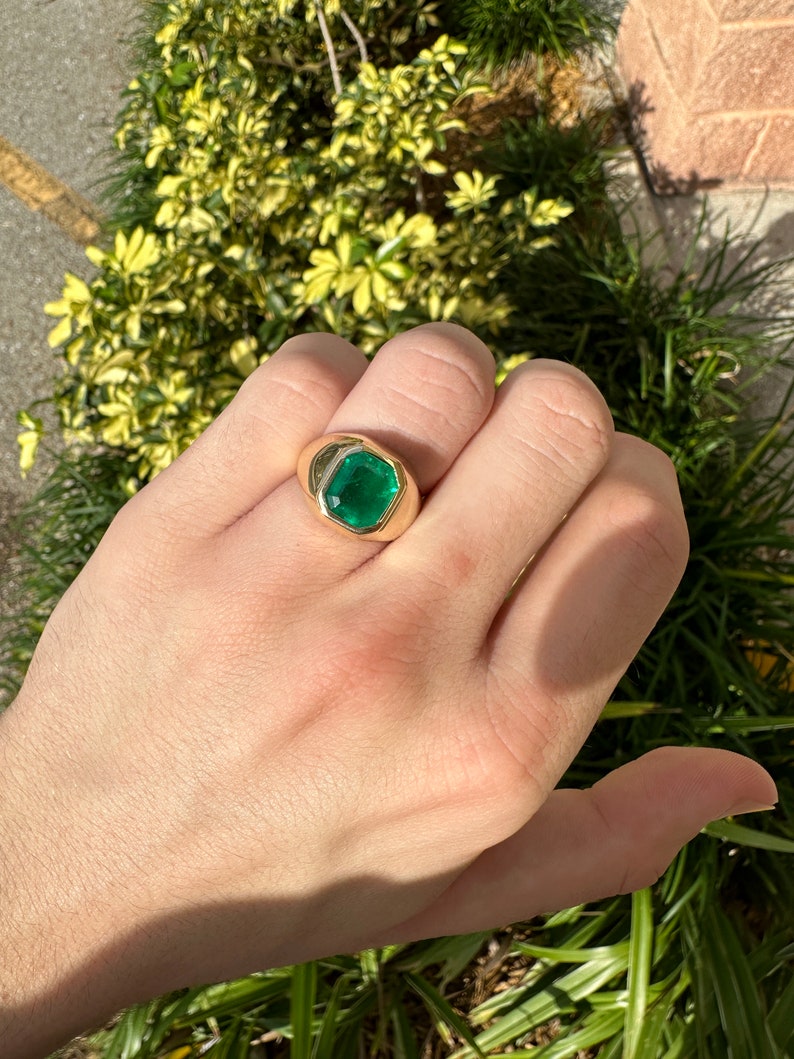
568 413
299 385
439 359
654 534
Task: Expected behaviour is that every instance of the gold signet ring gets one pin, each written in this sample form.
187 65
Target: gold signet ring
359 486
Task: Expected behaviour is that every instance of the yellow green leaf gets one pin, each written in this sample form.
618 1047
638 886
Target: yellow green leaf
132 325
243 355
380 288
28 440
362 296
96 256
60 333
75 289
142 252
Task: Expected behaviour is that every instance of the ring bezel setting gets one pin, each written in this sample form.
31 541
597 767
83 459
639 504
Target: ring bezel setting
359 486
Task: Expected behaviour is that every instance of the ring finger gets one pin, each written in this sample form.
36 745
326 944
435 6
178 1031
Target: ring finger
424 395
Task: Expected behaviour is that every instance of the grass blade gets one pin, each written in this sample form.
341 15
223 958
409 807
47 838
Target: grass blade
781 1019
639 969
748 836
404 1040
565 955
735 989
324 1045
560 996
218 1001
597 1028
304 990
441 1010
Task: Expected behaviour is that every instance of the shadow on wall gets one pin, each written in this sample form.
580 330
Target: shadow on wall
663 181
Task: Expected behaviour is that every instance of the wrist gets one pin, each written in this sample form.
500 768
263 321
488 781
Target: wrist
60 970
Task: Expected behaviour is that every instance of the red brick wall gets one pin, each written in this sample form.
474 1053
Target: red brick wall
711 88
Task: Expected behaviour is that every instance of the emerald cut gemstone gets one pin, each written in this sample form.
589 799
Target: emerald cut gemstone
361 490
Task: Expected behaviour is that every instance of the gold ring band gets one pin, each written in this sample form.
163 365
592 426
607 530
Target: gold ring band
359 486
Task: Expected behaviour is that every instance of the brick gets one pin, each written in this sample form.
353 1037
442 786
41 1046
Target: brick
638 56
702 152
713 149
684 51
657 111
774 160
737 10
750 69
699 111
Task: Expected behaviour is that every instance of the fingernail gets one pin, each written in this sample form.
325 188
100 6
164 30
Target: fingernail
748 807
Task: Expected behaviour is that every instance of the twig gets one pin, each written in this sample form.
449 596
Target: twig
329 44
310 68
362 47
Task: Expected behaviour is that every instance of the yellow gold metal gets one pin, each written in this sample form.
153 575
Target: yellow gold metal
317 465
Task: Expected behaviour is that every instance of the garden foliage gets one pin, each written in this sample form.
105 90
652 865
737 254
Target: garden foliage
279 205
298 165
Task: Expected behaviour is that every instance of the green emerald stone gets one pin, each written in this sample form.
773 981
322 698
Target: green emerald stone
361 490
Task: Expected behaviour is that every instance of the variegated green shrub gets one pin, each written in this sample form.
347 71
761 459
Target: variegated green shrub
281 195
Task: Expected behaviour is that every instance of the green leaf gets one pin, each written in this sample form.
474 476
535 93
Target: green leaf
651 1034
387 250
302 1000
781 1019
234 1042
219 1001
325 1042
453 953
639 969
747 836
735 989
405 1046
614 711
396 271
571 955
561 995
441 1010
596 1028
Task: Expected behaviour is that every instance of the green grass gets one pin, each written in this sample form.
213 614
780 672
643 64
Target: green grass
502 31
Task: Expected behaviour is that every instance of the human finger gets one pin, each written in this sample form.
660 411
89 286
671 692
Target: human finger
426 392
616 837
587 602
424 395
547 437
253 446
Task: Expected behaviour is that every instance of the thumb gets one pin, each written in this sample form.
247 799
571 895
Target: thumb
616 837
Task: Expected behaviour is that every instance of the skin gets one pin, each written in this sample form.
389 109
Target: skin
247 740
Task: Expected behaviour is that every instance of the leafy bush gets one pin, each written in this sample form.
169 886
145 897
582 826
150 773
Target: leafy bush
289 167
359 228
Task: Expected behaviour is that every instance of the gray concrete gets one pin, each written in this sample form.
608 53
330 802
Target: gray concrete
754 218
63 65
62 68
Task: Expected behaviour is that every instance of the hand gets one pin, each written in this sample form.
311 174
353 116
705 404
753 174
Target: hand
246 740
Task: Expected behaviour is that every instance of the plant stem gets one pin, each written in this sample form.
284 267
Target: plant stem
362 46
329 44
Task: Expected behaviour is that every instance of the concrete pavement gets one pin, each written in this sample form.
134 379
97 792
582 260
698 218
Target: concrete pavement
63 65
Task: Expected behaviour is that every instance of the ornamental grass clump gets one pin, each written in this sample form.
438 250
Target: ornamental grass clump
286 166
